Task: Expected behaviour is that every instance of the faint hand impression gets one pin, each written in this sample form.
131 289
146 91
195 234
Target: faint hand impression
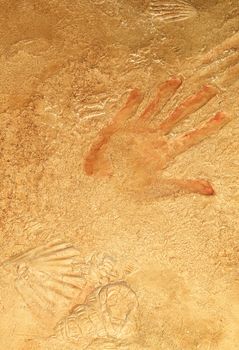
75 300
137 153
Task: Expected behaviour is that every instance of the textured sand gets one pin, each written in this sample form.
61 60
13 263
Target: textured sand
65 68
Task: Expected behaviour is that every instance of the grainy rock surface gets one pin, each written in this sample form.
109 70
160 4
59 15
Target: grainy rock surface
151 274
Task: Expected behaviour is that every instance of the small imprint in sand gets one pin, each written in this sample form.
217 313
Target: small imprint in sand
108 312
49 278
171 11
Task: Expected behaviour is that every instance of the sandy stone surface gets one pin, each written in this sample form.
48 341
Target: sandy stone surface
86 264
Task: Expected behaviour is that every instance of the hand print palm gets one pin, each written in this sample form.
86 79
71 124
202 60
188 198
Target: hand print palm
141 152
